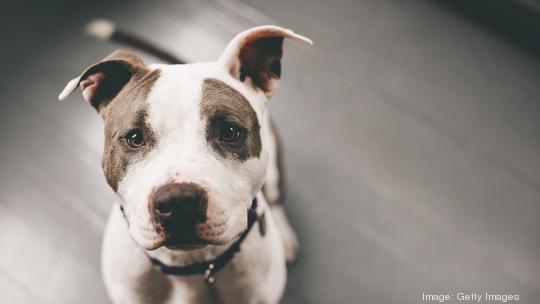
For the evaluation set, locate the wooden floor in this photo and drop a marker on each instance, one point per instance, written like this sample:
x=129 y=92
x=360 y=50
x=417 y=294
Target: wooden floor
x=412 y=137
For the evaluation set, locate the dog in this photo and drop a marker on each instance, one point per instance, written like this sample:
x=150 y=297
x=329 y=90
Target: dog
x=193 y=156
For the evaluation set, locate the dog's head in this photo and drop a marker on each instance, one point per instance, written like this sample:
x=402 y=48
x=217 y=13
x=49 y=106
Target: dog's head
x=184 y=145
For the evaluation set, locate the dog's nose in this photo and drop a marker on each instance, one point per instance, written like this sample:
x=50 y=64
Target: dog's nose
x=178 y=207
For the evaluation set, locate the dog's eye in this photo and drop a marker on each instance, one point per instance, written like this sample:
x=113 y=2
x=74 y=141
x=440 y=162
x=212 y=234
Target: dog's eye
x=135 y=138
x=230 y=132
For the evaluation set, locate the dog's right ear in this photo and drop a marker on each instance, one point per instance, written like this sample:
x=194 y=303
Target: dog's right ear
x=101 y=82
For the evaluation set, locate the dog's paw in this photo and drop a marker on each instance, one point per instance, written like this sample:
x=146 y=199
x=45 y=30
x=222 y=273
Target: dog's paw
x=290 y=241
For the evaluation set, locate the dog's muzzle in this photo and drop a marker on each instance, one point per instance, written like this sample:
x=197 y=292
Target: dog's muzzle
x=208 y=269
x=176 y=209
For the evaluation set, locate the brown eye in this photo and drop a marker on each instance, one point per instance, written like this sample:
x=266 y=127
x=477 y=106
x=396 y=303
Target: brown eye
x=135 y=138
x=230 y=132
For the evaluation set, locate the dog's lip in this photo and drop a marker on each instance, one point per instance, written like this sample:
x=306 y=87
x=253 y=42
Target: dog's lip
x=183 y=243
x=185 y=247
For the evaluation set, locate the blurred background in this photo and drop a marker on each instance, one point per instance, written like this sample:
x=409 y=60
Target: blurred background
x=411 y=131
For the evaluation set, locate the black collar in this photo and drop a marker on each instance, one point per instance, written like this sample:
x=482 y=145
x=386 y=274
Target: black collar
x=208 y=269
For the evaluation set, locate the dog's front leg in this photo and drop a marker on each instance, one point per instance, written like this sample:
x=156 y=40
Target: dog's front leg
x=128 y=275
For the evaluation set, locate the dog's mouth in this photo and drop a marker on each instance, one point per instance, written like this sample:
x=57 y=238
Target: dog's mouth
x=185 y=247
x=174 y=243
x=177 y=239
x=169 y=241
x=182 y=242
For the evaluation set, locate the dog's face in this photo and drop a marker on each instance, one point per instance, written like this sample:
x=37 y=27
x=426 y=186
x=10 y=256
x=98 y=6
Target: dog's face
x=184 y=145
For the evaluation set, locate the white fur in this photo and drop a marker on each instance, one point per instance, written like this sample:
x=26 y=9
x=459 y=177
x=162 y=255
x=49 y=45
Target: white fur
x=257 y=274
x=182 y=155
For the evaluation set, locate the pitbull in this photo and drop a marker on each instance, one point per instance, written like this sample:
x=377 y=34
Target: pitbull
x=191 y=152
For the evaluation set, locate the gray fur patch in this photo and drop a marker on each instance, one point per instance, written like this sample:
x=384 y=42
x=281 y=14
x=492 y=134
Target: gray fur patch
x=222 y=105
x=127 y=111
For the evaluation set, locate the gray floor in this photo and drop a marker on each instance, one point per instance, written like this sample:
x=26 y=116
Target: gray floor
x=411 y=132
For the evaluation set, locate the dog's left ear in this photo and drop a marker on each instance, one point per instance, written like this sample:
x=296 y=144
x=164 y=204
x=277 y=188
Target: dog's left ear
x=254 y=56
